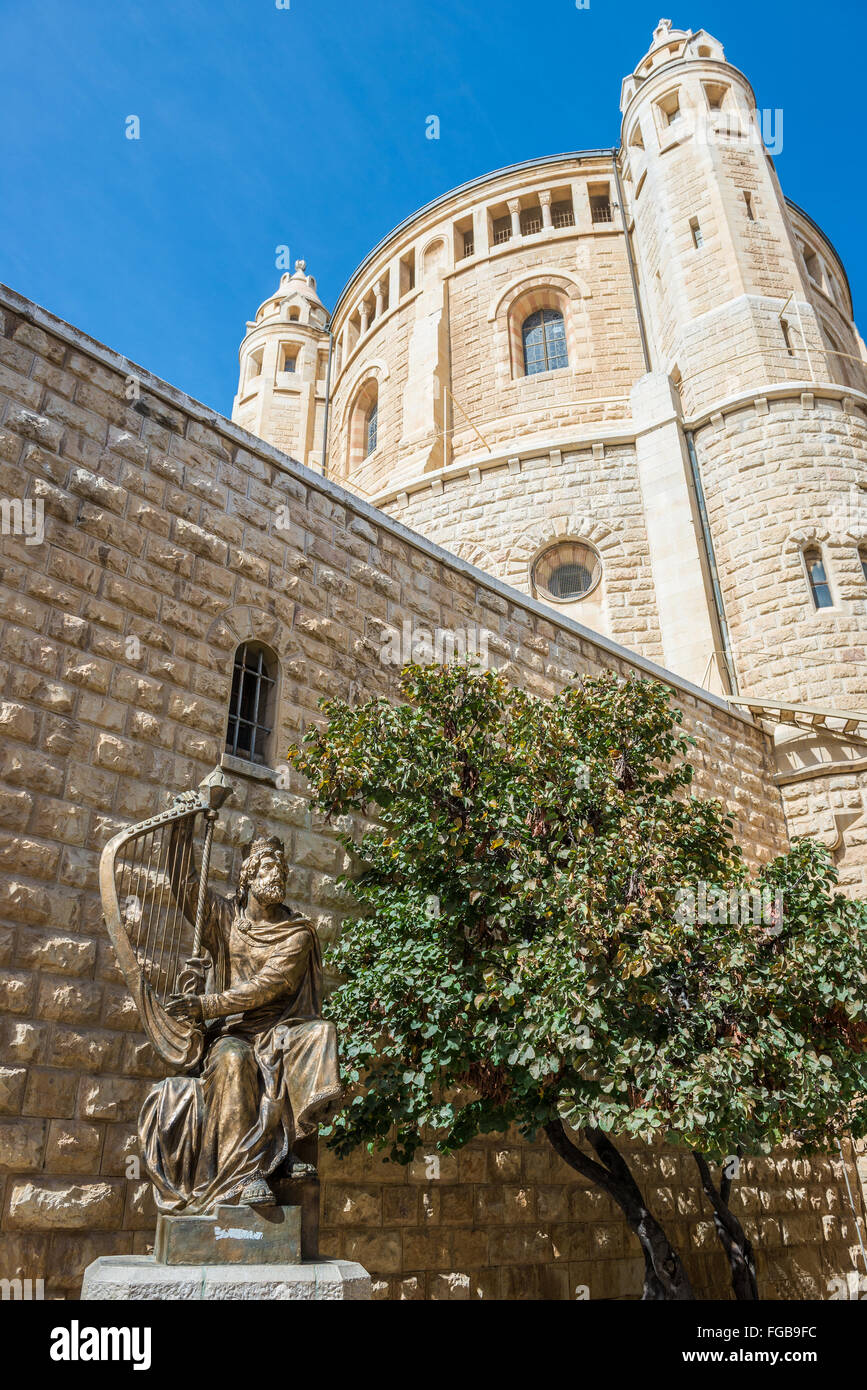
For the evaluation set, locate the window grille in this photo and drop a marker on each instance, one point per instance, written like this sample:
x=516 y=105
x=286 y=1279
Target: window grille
x=567 y=571
x=370 y=428
x=253 y=683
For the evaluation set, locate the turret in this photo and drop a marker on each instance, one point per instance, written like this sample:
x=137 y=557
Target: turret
x=725 y=277
x=283 y=368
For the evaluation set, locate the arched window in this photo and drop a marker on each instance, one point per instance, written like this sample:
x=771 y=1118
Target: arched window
x=544 y=339
x=370 y=429
x=820 y=589
x=254 y=364
x=363 y=431
x=251 y=703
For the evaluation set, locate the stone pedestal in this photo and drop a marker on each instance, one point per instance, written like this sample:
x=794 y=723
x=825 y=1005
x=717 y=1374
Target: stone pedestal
x=125 y=1278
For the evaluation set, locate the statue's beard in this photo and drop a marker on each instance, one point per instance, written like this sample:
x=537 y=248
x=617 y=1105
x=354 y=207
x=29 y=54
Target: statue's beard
x=269 y=889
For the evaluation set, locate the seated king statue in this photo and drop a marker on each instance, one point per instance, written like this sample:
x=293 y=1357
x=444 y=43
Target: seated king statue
x=269 y=1076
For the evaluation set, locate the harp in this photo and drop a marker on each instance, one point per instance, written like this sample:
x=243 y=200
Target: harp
x=155 y=913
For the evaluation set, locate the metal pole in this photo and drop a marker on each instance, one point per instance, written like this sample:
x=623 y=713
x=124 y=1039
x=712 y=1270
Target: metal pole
x=632 y=275
x=327 y=402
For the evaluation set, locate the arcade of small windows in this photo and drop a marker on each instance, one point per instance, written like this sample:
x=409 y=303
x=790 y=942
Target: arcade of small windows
x=817 y=577
x=251 y=703
x=543 y=335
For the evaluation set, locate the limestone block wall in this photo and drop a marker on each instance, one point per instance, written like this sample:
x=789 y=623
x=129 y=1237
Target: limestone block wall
x=169 y=536
x=499 y=518
x=781 y=474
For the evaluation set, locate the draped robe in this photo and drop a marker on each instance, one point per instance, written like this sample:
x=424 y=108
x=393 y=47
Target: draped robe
x=270 y=1074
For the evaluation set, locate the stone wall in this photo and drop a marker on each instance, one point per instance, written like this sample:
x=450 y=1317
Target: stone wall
x=169 y=536
x=780 y=474
x=500 y=517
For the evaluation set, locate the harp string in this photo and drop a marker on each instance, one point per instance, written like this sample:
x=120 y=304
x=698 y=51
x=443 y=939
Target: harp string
x=164 y=878
x=180 y=863
x=161 y=841
x=150 y=888
x=124 y=889
x=146 y=870
x=171 y=933
x=136 y=864
x=180 y=921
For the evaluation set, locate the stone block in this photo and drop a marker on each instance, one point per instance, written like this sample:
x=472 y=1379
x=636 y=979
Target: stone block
x=235 y=1235
x=58 y=1204
x=130 y=1278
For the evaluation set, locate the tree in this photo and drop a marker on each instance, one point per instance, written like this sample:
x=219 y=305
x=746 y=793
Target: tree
x=529 y=950
x=794 y=1015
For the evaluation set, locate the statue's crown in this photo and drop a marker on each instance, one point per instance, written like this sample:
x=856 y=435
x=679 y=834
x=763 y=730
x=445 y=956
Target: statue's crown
x=265 y=842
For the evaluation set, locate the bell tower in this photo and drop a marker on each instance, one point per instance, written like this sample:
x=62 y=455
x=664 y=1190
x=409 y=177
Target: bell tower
x=724 y=282
x=750 y=329
x=283 y=369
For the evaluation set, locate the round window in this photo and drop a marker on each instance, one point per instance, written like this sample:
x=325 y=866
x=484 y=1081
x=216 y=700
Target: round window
x=567 y=571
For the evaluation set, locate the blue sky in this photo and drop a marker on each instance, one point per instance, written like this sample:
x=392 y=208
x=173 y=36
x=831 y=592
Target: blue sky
x=306 y=126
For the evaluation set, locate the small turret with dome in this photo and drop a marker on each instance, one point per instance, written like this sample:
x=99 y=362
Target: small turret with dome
x=283 y=365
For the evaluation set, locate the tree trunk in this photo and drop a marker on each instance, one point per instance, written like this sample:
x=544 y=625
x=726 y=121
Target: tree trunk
x=732 y=1236
x=664 y=1274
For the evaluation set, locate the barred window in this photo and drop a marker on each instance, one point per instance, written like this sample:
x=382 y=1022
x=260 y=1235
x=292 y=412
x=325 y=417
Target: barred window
x=251 y=704
x=567 y=571
x=820 y=589
x=562 y=214
x=544 y=339
x=370 y=429
x=502 y=230
x=531 y=221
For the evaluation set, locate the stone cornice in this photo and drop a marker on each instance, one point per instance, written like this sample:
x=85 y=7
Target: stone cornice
x=826 y=390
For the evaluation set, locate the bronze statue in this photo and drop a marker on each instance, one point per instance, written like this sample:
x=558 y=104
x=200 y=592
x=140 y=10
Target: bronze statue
x=241 y=1021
